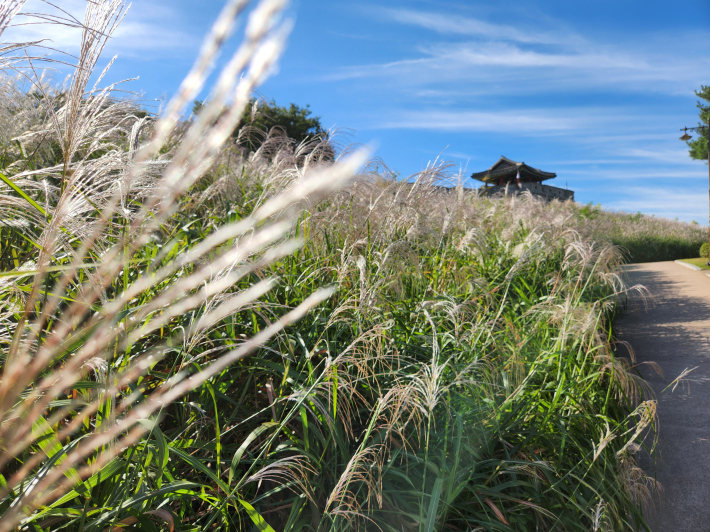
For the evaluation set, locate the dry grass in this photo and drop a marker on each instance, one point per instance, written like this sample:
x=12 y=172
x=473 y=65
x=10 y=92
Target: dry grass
x=104 y=198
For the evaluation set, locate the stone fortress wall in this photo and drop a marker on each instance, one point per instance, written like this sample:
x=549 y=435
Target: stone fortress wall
x=537 y=189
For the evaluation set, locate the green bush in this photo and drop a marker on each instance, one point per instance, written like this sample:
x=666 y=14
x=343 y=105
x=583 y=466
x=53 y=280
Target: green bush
x=650 y=248
x=645 y=238
x=705 y=250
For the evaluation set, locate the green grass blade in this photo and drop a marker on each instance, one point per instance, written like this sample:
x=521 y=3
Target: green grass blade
x=22 y=193
x=255 y=516
x=433 y=505
x=243 y=447
x=197 y=464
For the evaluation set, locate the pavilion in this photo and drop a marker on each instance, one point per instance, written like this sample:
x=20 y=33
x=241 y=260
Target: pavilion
x=510 y=177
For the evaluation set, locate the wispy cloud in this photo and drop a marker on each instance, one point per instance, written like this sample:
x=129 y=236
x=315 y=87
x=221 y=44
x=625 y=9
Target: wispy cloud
x=600 y=106
x=615 y=177
x=498 y=59
x=507 y=68
x=149 y=26
x=516 y=121
x=662 y=201
x=448 y=24
x=673 y=156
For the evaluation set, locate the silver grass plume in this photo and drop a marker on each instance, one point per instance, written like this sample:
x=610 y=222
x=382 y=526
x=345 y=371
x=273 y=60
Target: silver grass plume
x=91 y=194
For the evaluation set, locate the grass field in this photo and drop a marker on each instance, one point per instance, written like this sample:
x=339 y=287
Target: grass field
x=643 y=238
x=701 y=262
x=199 y=337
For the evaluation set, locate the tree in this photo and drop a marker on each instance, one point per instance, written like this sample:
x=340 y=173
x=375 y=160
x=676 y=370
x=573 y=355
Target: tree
x=699 y=146
x=295 y=122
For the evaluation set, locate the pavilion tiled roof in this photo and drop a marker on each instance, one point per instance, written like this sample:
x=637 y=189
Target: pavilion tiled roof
x=506 y=168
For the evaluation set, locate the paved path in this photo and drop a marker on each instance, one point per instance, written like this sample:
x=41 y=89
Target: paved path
x=675 y=333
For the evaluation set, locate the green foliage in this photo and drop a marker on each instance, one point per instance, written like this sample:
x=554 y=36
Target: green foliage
x=295 y=122
x=644 y=238
x=704 y=250
x=292 y=122
x=699 y=146
x=589 y=211
x=439 y=388
x=650 y=248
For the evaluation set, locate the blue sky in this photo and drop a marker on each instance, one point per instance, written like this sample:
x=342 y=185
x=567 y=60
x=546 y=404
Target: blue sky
x=594 y=91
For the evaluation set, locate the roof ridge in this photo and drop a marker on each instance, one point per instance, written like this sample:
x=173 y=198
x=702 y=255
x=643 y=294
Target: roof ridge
x=511 y=166
x=503 y=158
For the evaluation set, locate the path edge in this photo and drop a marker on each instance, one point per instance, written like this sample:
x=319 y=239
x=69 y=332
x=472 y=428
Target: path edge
x=689 y=266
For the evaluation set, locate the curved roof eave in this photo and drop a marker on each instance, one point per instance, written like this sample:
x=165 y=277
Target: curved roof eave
x=512 y=169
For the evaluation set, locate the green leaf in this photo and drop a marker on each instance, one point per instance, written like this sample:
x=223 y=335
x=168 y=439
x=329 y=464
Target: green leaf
x=173 y=487
x=114 y=467
x=304 y=423
x=161 y=444
x=218 y=432
x=43 y=434
x=259 y=521
x=457 y=458
x=296 y=509
x=194 y=462
x=335 y=392
x=243 y=447
x=43 y=271
x=433 y=505
x=22 y=193
x=46 y=438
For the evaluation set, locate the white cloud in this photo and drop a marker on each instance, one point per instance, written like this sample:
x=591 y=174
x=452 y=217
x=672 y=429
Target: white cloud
x=149 y=35
x=609 y=100
x=661 y=201
x=494 y=59
x=460 y=155
x=645 y=173
x=504 y=68
x=588 y=162
x=461 y=25
x=148 y=26
x=513 y=55
x=667 y=155
x=518 y=121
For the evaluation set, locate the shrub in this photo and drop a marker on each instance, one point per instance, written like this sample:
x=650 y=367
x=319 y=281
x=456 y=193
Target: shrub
x=646 y=238
x=705 y=250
